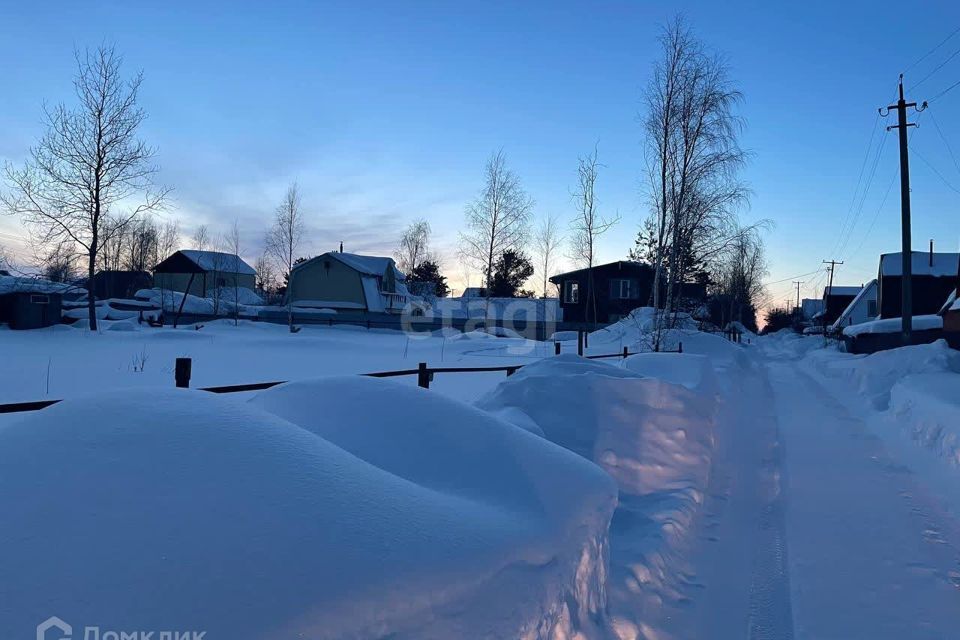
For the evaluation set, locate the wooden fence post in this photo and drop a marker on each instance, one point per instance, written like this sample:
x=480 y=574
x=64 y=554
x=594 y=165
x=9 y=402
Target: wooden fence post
x=556 y=348
x=625 y=353
x=423 y=376
x=680 y=347
x=182 y=372
x=579 y=342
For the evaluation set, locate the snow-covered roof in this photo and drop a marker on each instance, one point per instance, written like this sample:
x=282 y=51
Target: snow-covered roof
x=837 y=290
x=218 y=261
x=893 y=325
x=863 y=295
x=365 y=265
x=923 y=263
x=951 y=304
x=20 y=284
x=369 y=265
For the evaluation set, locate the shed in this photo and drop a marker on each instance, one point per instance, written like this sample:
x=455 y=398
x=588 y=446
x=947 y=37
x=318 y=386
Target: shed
x=120 y=284
x=863 y=308
x=934 y=277
x=27 y=303
x=198 y=272
x=348 y=281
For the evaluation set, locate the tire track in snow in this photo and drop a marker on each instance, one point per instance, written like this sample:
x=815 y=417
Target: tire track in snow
x=770 y=610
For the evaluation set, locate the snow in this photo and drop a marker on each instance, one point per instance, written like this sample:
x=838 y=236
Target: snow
x=170 y=301
x=460 y=523
x=653 y=436
x=928 y=406
x=893 y=325
x=944 y=264
x=778 y=488
x=13 y=284
x=369 y=265
x=218 y=261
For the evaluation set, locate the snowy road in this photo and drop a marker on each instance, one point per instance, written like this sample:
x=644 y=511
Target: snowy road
x=814 y=528
x=871 y=555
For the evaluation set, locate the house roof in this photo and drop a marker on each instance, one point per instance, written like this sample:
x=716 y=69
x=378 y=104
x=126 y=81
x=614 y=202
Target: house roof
x=218 y=261
x=838 y=290
x=620 y=264
x=22 y=284
x=864 y=292
x=367 y=265
x=923 y=263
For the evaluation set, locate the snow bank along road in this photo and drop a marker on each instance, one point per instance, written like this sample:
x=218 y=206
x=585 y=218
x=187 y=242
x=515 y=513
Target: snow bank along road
x=774 y=491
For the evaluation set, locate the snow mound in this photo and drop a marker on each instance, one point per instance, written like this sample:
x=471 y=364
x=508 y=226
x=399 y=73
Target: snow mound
x=647 y=433
x=453 y=525
x=693 y=371
x=928 y=405
x=876 y=374
x=654 y=437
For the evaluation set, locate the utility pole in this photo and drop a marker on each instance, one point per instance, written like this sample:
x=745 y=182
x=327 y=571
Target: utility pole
x=833 y=267
x=906 y=250
x=798 y=283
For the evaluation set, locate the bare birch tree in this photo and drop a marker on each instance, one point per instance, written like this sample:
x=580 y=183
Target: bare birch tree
x=284 y=238
x=414 y=246
x=546 y=243
x=233 y=245
x=201 y=238
x=497 y=221
x=693 y=157
x=588 y=225
x=88 y=167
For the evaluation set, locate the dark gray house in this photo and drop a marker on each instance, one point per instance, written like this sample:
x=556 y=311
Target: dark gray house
x=620 y=287
x=934 y=277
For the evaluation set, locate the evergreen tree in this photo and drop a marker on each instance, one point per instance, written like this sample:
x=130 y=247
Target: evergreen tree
x=429 y=271
x=510 y=271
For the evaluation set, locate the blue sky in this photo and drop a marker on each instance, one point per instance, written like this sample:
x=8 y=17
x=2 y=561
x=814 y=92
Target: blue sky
x=386 y=111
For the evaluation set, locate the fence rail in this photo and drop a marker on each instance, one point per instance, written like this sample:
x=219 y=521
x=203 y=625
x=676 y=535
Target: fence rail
x=425 y=375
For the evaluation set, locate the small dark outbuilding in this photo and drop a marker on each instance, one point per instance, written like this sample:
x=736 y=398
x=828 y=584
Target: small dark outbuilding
x=30 y=310
x=120 y=284
x=934 y=276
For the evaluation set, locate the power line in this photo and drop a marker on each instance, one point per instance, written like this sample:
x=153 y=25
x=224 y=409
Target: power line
x=934 y=169
x=863 y=199
x=856 y=190
x=935 y=69
x=802 y=275
x=947 y=90
x=928 y=53
x=945 y=143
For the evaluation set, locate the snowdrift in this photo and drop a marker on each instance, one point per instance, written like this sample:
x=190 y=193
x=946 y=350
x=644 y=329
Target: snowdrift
x=636 y=332
x=875 y=375
x=410 y=516
x=653 y=435
x=928 y=406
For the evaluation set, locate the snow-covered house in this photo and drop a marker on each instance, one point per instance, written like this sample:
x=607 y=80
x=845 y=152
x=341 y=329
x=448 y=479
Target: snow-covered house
x=349 y=282
x=862 y=308
x=934 y=277
x=197 y=272
x=31 y=303
x=836 y=299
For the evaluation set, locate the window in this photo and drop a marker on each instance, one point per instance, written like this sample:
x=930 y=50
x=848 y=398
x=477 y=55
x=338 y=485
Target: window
x=571 y=292
x=39 y=298
x=871 y=309
x=623 y=289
